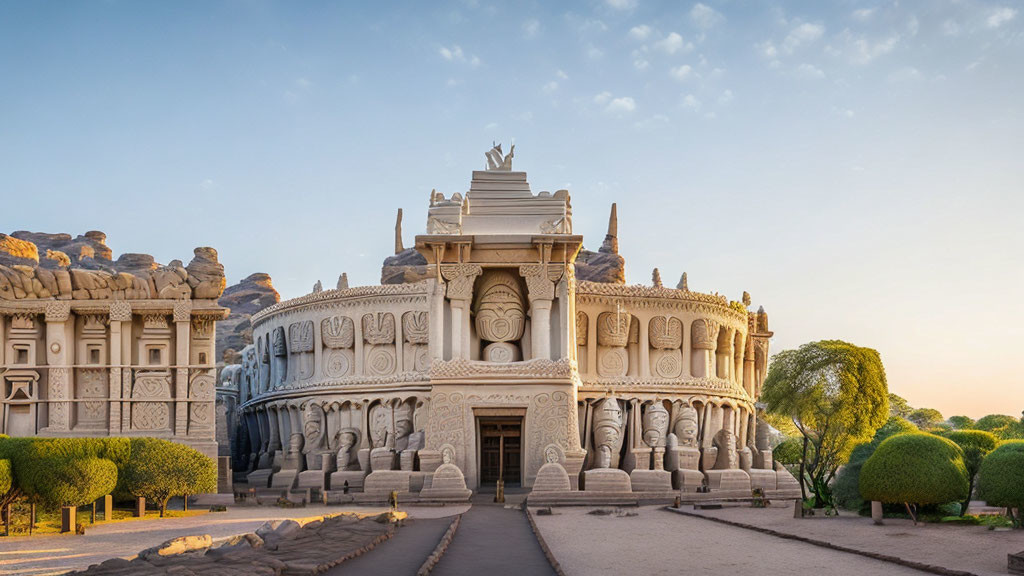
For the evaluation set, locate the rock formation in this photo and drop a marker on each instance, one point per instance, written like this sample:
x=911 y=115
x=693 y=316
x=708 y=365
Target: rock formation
x=246 y=298
x=605 y=265
x=405 y=267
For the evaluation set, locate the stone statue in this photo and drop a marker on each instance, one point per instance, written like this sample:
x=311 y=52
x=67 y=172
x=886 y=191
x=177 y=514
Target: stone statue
x=655 y=425
x=314 y=434
x=293 y=459
x=682 y=452
x=725 y=442
x=686 y=427
x=500 y=315
x=497 y=161
x=347 y=442
x=607 y=432
x=379 y=425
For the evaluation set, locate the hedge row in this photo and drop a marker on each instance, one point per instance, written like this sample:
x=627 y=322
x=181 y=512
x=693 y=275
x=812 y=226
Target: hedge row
x=76 y=471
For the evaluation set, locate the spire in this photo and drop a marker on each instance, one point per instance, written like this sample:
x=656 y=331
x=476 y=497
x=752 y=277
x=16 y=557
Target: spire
x=343 y=281
x=611 y=239
x=682 y=283
x=398 y=233
x=656 y=278
x=318 y=287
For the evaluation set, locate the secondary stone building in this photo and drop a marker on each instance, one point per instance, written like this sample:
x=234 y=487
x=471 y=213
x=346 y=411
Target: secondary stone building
x=489 y=355
x=95 y=347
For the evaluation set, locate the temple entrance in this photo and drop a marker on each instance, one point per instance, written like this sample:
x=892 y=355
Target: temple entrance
x=501 y=450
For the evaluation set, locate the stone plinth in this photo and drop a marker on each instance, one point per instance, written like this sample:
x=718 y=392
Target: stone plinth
x=785 y=483
x=573 y=466
x=552 y=477
x=353 y=477
x=383 y=459
x=259 y=479
x=429 y=460
x=383 y=482
x=284 y=479
x=728 y=480
x=419 y=480
x=687 y=480
x=312 y=479
x=447 y=484
x=763 y=479
x=606 y=480
x=650 y=480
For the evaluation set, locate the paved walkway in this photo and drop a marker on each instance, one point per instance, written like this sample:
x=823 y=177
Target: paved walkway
x=653 y=541
x=400 y=555
x=493 y=541
x=56 y=554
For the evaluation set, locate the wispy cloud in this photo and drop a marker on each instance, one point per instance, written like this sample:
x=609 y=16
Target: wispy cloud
x=640 y=33
x=621 y=4
x=802 y=35
x=674 y=43
x=1000 y=16
x=681 y=73
x=456 y=54
x=531 y=28
x=705 y=16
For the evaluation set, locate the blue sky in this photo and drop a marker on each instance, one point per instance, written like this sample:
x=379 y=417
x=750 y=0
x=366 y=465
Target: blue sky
x=856 y=166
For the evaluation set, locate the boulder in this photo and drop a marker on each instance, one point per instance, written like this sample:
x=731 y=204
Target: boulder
x=608 y=268
x=406 y=267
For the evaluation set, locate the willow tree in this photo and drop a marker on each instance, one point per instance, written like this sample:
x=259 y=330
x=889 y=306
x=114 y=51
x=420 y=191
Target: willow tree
x=837 y=396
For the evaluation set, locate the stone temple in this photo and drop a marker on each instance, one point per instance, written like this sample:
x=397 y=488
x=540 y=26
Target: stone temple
x=497 y=349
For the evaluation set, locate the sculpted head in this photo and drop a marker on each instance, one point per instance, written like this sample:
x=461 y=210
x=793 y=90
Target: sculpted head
x=313 y=427
x=295 y=443
x=686 y=427
x=403 y=420
x=499 y=310
x=608 y=424
x=655 y=424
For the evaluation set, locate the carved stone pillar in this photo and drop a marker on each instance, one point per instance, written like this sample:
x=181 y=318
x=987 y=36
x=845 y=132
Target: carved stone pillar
x=704 y=334
x=182 y=335
x=540 y=285
x=460 y=279
x=275 y=429
x=120 y=312
x=59 y=355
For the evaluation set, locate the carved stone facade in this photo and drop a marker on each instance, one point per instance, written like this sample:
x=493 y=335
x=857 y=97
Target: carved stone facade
x=500 y=346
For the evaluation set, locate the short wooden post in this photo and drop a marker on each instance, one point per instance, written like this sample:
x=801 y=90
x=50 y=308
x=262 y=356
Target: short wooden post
x=92 y=515
x=140 y=507
x=798 y=508
x=184 y=502
x=108 y=508
x=68 y=518
x=31 y=518
x=7 y=519
x=876 y=512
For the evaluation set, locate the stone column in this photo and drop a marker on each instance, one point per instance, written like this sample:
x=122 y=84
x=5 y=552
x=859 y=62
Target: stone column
x=460 y=292
x=540 y=284
x=436 y=342
x=645 y=347
x=182 y=335
x=120 y=312
x=59 y=355
x=275 y=430
x=3 y=359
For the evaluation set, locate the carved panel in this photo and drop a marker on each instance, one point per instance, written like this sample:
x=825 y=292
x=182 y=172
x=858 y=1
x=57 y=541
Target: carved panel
x=379 y=328
x=337 y=332
x=380 y=359
x=278 y=342
x=613 y=328
x=300 y=337
x=416 y=327
x=120 y=311
x=612 y=361
x=154 y=414
x=201 y=414
x=338 y=362
x=57 y=389
x=460 y=279
x=704 y=333
x=666 y=332
x=94 y=391
x=58 y=311
x=548 y=424
x=667 y=363
x=499 y=310
x=582 y=326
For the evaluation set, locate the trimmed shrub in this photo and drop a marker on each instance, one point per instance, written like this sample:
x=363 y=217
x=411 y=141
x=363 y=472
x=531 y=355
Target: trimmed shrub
x=1001 y=478
x=915 y=469
x=976 y=444
x=72 y=481
x=159 y=469
x=847 y=485
x=5 y=477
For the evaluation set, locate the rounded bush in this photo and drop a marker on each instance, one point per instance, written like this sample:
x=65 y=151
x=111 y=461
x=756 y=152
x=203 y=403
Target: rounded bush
x=72 y=482
x=915 y=468
x=159 y=469
x=788 y=452
x=980 y=439
x=1001 y=479
x=847 y=485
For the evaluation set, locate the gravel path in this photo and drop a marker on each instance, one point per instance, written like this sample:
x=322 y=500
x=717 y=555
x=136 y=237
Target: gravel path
x=974 y=549
x=402 y=554
x=658 y=542
x=56 y=554
x=493 y=541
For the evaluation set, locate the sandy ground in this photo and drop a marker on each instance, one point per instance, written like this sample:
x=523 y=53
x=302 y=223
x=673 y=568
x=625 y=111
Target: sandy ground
x=43 y=555
x=969 y=548
x=656 y=542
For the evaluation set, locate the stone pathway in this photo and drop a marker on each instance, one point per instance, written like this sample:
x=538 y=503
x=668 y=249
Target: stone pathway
x=493 y=541
x=402 y=554
x=652 y=541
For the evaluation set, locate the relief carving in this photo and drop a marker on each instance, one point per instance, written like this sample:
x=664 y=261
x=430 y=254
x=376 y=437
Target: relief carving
x=499 y=310
x=613 y=328
x=379 y=328
x=666 y=332
x=337 y=332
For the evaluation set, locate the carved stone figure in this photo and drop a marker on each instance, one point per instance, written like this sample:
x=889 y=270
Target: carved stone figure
x=497 y=161
x=380 y=425
x=293 y=459
x=655 y=424
x=313 y=429
x=607 y=432
x=500 y=314
x=347 y=442
x=686 y=427
x=725 y=442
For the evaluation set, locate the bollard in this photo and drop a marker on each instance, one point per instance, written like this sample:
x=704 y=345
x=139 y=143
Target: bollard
x=68 y=517
x=108 y=508
x=92 y=513
x=876 y=512
x=499 y=492
x=7 y=520
x=140 y=507
x=798 y=508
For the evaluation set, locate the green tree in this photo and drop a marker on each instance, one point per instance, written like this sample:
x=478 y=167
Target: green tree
x=847 y=484
x=976 y=444
x=1003 y=426
x=837 y=397
x=898 y=406
x=926 y=418
x=960 y=422
x=999 y=480
x=915 y=469
x=159 y=469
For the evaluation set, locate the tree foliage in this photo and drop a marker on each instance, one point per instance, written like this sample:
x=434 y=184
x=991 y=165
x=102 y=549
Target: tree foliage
x=915 y=469
x=926 y=418
x=5 y=477
x=837 y=396
x=847 y=484
x=960 y=422
x=898 y=406
x=159 y=469
x=976 y=444
x=1003 y=426
x=1001 y=478
x=72 y=481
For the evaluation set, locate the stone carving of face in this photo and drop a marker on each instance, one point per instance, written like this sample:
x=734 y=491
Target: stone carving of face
x=725 y=441
x=500 y=315
x=655 y=424
x=686 y=427
x=403 y=420
x=378 y=425
x=295 y=443
x=608 y=425
x=313 y=427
